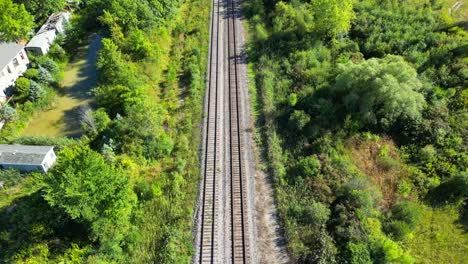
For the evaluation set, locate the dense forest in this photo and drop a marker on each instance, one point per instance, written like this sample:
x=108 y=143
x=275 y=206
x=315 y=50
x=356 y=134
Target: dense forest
x=124 y=192
x=362 y=114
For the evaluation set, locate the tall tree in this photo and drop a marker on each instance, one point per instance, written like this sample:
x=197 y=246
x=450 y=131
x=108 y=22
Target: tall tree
x=42 y=8
x=380 y=91
x=91 y=191
x=15 y=21
x=332 y=17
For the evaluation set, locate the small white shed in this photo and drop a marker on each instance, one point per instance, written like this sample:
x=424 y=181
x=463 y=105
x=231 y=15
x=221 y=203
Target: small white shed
x=27 y=158
x=40 y=44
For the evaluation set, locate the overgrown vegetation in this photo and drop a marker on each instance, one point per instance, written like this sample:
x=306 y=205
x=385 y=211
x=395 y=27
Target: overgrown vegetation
x=125 y=191
x=363 y=118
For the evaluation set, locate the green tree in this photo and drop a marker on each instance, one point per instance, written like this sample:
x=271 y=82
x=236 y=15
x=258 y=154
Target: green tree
x=90 y=191
x=15 y=21
x=42 y=8
x=380 y=91
x=95 y=122
x=332 y=17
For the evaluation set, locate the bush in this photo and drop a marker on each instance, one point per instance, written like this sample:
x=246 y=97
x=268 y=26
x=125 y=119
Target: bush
x=45 y=77
x=7 y=113
x=32 y=74
x=317 y=213
x=36 y=91
x=380 y=91
x=48 y=64
x=359 y=253
x=22 y=88
x=407 y=212
x=308 y=166
x=398 y=229
x=299 y=119
x=452 y=190
x=58 y=53
x=10 y=177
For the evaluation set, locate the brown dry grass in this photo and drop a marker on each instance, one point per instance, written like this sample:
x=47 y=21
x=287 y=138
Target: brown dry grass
x=379 y=160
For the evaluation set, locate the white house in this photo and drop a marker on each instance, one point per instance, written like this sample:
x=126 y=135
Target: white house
x=13 y=63
x=27 y=158
x=55 y=25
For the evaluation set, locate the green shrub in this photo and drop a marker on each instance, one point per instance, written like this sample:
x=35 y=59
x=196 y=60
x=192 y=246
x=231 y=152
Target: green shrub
x=317 y=213
x=7 y=112
x=36 y=91
x=407 y=212
x=45 y=77
x=49 y=64
x=359 y=253
x=308 y=166
x=399 y=230
x=404 y=188
x=299 y=119
x=32 y=74
x=58 y=53
x=452 y=190
x=22 y=88
x=10 y=177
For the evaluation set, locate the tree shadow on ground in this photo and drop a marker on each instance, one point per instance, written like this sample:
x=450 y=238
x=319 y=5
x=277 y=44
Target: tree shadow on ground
x=81 y=90
x=30 y=221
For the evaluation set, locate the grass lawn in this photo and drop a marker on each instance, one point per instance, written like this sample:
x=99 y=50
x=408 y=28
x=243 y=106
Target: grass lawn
x=25 y=186
x=459 y=14
x=63 y=118
x=439 y=238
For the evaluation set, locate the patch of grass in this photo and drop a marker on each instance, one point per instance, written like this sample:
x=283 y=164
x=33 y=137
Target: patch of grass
x=438 y=238
x=378 y=158
x=17 y=187
x=459 y=14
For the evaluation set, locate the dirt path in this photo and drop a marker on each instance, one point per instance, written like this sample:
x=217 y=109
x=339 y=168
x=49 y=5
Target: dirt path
x=62 y=119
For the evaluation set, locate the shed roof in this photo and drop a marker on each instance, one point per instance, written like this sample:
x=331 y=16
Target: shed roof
x=23 y=154
x=8 y=50
x=40 y=39
x=53 y=21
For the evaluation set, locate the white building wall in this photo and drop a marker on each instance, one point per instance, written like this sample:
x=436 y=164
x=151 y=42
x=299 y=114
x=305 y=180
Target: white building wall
x=49 y=160
x=14 y=69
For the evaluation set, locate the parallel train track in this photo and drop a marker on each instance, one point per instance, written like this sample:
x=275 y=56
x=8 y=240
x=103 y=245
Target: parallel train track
x=234 y=172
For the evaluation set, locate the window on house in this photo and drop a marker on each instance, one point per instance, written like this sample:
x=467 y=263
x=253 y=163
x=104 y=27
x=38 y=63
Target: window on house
x=2 y=74
x=22 y=55
x=8 y=69
x=15 y=62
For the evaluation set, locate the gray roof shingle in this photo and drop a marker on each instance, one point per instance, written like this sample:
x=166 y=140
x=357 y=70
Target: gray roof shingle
x=23 y=154
x=8 y=50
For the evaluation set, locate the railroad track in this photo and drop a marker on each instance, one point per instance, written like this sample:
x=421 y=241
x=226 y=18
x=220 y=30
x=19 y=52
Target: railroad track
x=215 y=230
x=239 y=232
x=210 y=202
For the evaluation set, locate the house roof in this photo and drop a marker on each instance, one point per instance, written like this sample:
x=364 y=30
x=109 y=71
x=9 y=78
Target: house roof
x=23 y=154
x=53 y=21
x=8 y=50
x=40 y=39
